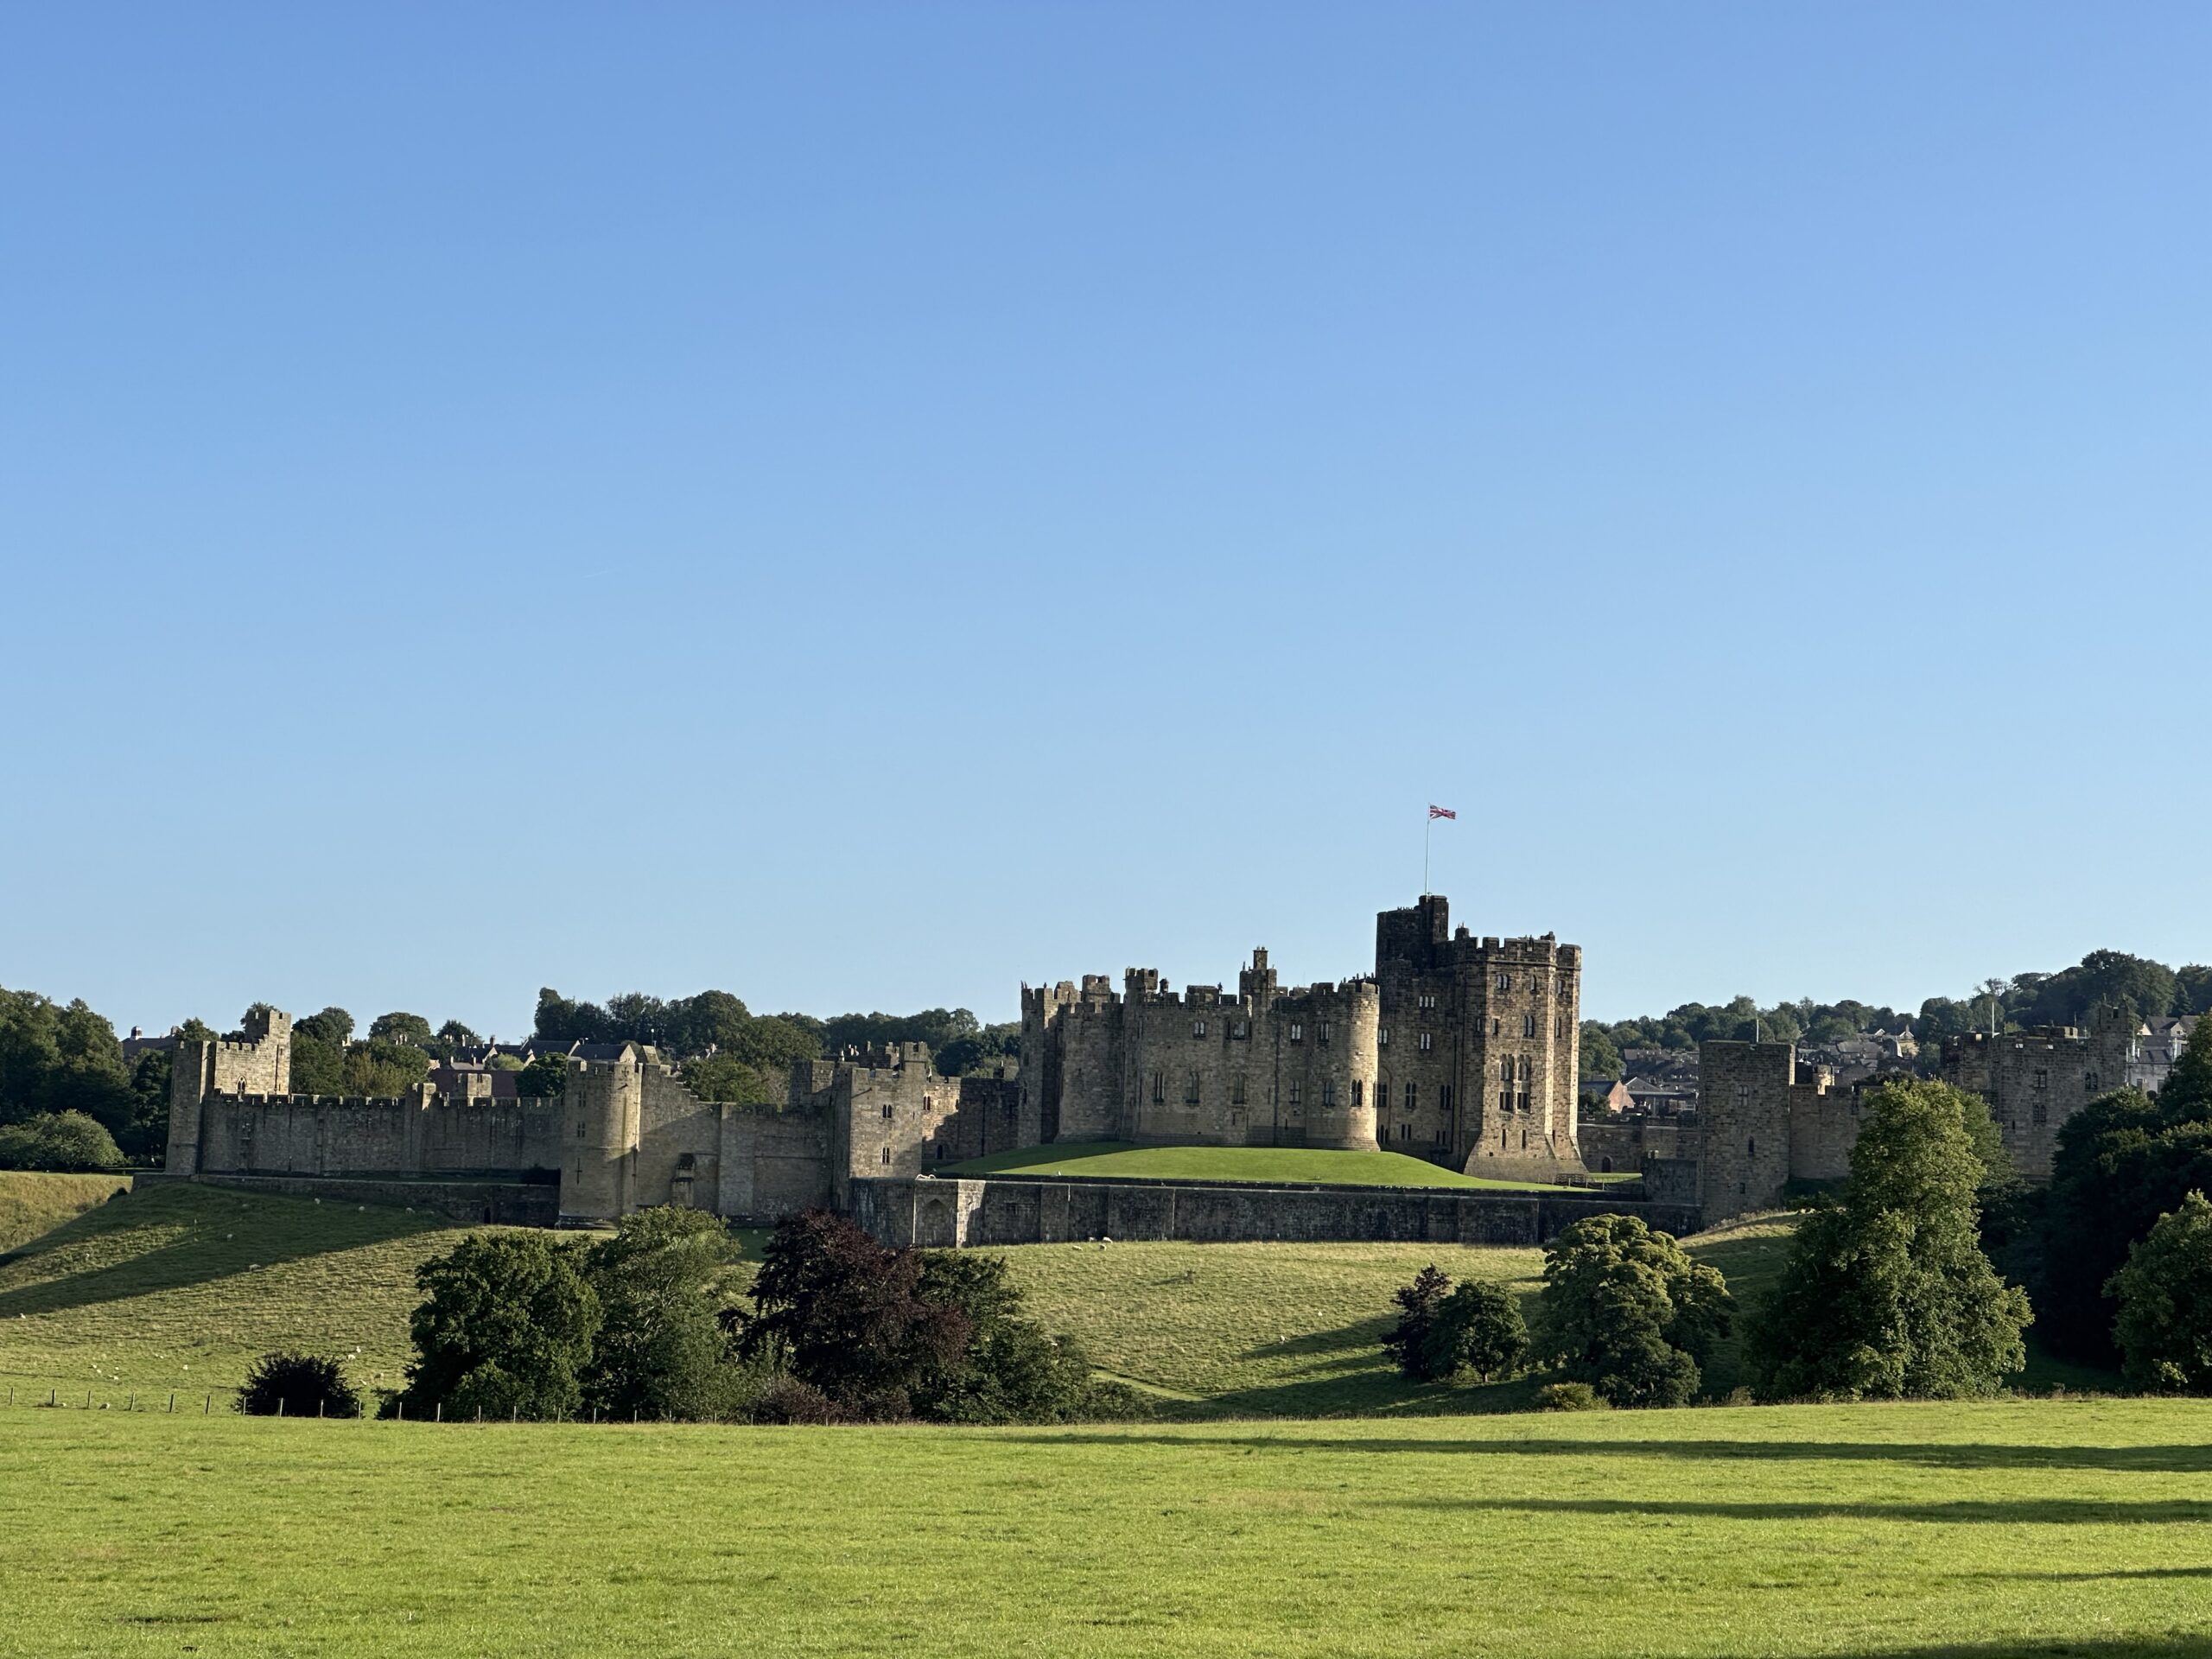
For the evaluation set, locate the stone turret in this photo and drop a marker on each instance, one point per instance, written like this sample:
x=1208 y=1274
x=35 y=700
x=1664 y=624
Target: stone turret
x=260 y=1064
x=602 y=1121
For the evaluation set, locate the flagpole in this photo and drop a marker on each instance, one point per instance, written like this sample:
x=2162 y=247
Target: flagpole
x=1427 y=832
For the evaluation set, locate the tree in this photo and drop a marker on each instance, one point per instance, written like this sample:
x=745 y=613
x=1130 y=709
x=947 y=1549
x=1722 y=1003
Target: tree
x=57 y=1057
x=726 y=1077
x=58 y=1141
x=411 y=1029
x=1407 y=1341
x=506 y=1326
x=334 y=1027
x=382 y=1068
x=662 y=1351
x=1626 y=1311
x=2137 y=985
x=318 y=1064
x=845 y=1314
x=1887 y=1294
x=2164 y=1327
x=290 y=1384
x=545 y=1077
x=1599 y=1058
x=2193 y=989
x=453 y=1035
x=145 y=1137
x=1478 y=1328
x=2121 y=1162
x=1011 y=1370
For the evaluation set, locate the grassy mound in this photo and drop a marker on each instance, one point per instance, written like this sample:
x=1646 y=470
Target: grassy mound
x=33 y=1203
x=1966 y=1531
x=177 y=1286
x=1115 y=1160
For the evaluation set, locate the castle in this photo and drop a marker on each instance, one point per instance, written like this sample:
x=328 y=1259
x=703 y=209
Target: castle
x=1458 y=1049
x=1765 y=1121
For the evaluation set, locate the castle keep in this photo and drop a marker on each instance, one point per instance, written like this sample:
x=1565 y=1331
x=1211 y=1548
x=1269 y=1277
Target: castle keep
x=1457 y=1049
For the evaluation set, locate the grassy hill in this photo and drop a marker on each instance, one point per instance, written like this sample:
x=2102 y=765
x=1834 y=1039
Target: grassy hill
x=31 y=1204
x=180 y=1288
x=1982 y=1531
x=1112 y=1159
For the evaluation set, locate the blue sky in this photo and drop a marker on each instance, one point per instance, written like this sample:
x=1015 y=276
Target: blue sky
x=865 y=505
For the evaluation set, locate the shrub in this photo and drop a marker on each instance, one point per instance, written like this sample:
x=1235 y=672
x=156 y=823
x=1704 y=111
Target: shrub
x=545 y=1077
x=1571 y=1396
x=1887 y=1294
x=289 y=1385
x=1625 y=1311
x=1478 y=1328
x=55 y=1140
x=2164 y=1327
x=1407 y=1342
x=788 y=1399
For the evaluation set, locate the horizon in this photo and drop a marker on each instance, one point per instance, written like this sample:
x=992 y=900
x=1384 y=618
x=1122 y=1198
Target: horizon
x=861 y=507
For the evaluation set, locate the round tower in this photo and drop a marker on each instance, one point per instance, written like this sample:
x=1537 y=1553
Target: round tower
x=602 y=1108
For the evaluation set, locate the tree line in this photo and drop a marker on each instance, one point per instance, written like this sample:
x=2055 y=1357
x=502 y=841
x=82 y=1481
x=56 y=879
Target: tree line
x=2137 y=985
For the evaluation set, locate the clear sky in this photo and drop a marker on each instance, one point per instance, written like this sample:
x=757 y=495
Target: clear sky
x=863 y=505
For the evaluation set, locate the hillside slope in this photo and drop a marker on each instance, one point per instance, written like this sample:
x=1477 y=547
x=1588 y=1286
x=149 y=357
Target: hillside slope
x=31 y=1204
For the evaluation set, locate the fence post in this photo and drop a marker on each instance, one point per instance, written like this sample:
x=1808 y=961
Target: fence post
x=131 y=1404
x=280 y=1405
x=172 y=1402
x=439 y=1415
x=208 y=1405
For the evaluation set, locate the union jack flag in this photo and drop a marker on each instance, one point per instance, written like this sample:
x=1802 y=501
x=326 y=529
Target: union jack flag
x=1442 y=813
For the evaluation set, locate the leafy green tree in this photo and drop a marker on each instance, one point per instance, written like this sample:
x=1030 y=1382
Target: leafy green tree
x=453 y=1035
x=1599 y=1058
x=662 y=1351
x=1407 y=1341
x=2164 y=1327
x=1011 y=1370
x=2121 y=1163
x=505 y=1326
x=2102 y=979
x=504 y=1063
x=318 y=1066
x=726 y=1077
x=289 y=1384
x=382 y=1068
x=1626 y=1311
x=411 y=1029
x=145 y=1137
x=58 y=1141
x=334 y=1027
x=545 y=1077
x=2193 y=989
x=59 y=1058
x=1478 y=1328
x=1887 y=1294
x=772 y=1044
x=196 y=1030
x=708 y=1022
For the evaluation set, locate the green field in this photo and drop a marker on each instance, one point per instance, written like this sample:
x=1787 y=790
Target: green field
x=31 y=1204
x=1987 y=1530
x=1271 y=1166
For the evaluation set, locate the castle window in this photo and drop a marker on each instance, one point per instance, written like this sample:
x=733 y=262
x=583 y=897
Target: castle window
x=1524 y=1140
x=1427 y=1042
x=1358 y=1088
x=1495 y=1026
x=1751 y=1148
x=1444 y=1097
x=1428 y=1001
x=1297 y=1033
x=1525 y=1068
x=1505 y=1100
x=1190 y=1090
x=942 y=1151
x=1239 y=1029
x=1558 y=1026
x=1322 y=1032
x=887 y=1109
x=1198 y=1028
x=1443 y=1138
x=2043 y=1078
x=1328 y=1094
x=1743 y=1095
x=1528 y=1024
x=1293 y=1091
x=1505 y=981
x=887 y=1155
x=2089 y=1083
x=1524 y=1100
x=1158 y=1087
x=1405 y=1131
x=1237 y=1092
x=1382 y=1038
x=928 y=1103
x=1505 y=1069
x=2038 y=1113
x=1413 y=1095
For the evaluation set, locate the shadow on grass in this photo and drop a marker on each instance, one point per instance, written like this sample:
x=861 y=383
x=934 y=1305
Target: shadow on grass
x=2126 y=1459
x=1366 y=1336
x=2107 y=1647
x=217 y=1234
x=2020 y=1511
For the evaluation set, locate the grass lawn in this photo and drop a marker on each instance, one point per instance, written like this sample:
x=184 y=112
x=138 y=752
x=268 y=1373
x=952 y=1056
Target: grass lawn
x=2017 y=1527
x=1116 y=1160
x=34 y=1204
